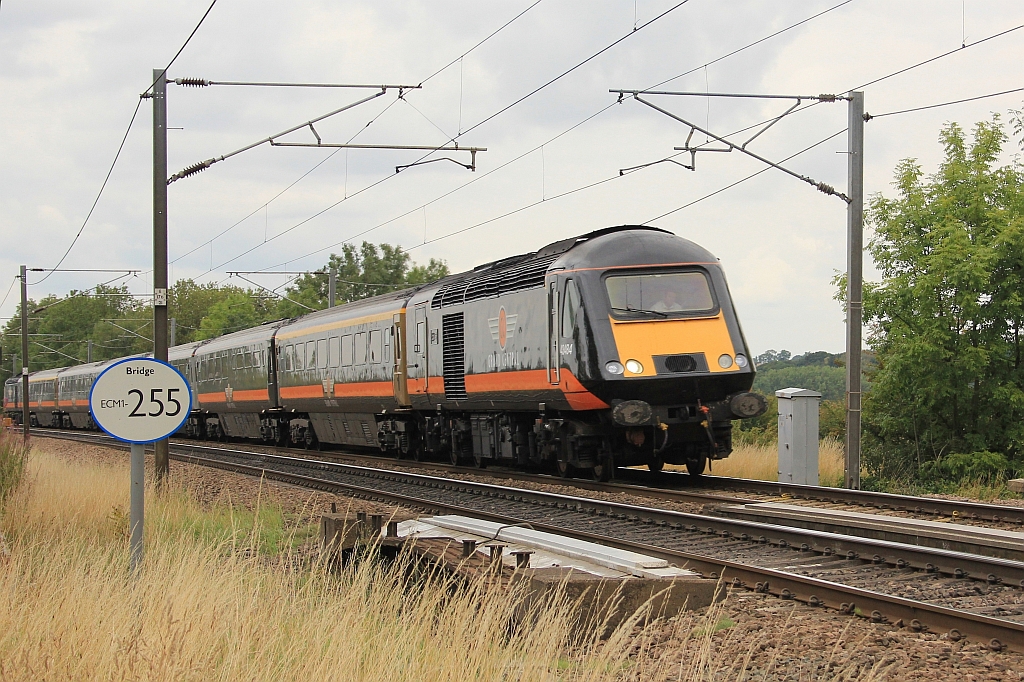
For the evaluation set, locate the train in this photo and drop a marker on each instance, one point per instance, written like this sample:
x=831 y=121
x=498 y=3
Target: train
x=620 y=347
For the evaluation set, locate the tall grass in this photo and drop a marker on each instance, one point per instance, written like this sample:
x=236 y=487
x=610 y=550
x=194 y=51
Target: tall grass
x=214 y=600
x=12 y=462
x=761 y=461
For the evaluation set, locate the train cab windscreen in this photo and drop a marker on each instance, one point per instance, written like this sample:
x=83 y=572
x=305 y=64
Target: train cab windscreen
x=667 y=294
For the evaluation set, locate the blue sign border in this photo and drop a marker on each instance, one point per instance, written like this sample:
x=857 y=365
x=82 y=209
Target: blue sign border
x=143 y=359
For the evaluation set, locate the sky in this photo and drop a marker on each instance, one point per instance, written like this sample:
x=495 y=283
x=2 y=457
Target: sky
x=71 y=74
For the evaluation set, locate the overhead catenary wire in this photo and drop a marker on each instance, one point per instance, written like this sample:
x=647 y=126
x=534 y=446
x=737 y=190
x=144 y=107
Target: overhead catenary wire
x=279 y=194
x=329 y=156
x=10 y=289
x=564 y=132
x=489 y=36
x=610 y=179
x=868 y=117
x=124 y=138
x=471 y=128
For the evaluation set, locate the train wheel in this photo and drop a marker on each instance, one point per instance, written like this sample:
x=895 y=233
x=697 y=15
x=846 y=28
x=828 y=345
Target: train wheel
x=565 y=470
x=656 y=465
x=453 y=455
x=603 y=471
x=480 y=462
x=695 y=467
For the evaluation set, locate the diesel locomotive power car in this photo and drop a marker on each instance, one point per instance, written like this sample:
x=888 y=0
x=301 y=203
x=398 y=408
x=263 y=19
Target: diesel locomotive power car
x=618 y=347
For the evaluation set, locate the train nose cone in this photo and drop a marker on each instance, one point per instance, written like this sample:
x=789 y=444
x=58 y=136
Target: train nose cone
x=747 y=405
x=632 y=413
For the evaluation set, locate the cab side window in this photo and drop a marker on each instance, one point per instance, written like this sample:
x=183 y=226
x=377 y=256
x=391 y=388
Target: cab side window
x=570 y=308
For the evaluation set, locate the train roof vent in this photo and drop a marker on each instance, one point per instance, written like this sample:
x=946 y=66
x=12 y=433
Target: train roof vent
x=529 y=275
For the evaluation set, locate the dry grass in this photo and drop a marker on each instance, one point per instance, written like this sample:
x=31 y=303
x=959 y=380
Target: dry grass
x=209 y=607
x=219 y=598
x=751 y=460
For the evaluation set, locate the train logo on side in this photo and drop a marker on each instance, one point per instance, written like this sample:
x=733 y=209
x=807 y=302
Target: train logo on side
x=503 y=327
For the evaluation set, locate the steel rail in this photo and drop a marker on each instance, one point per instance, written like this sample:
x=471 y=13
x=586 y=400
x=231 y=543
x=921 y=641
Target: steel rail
x=680 y=487
x=894 y=501
x=920 y=616
x=900 y=555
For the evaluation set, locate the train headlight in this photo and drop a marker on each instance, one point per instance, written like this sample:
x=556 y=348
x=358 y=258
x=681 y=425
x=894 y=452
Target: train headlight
x=725 y=361
x=634 y=367
x=614 y=368
x=741 y=361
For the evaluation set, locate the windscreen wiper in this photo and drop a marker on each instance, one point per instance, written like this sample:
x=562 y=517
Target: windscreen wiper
x=641 y=310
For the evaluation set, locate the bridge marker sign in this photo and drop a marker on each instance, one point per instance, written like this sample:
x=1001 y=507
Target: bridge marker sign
x=139 y=401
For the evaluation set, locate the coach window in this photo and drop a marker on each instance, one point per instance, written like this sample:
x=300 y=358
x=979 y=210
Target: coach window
x=376 y=339
x=346 y=350
x=334 y=351
x=387 y=343
x=298 y=353
x=360 y=348
x=310 y=354
x=570 y=306
x=321 y=353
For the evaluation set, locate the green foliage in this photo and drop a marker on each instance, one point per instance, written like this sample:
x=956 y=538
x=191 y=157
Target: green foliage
x=119 y=324
x=832 y=419
x=958 y=467
x=764 y=430
x=60 y=330
x=830 y=382
x=189 y=303
x=234 y=311
x=945 y=321
x=367 y=271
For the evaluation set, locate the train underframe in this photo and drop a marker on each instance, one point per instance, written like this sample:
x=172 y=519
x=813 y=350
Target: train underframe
x=567 y=443
x=576 y=443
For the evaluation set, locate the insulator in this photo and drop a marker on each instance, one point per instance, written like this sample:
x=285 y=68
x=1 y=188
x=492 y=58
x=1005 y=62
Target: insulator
x=191 y=170
x=192 y=82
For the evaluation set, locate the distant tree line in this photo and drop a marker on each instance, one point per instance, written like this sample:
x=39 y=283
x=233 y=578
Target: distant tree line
x=120 y=324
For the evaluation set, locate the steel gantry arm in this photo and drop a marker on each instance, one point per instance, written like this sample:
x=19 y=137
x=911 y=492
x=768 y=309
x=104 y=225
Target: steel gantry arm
x=729 y=146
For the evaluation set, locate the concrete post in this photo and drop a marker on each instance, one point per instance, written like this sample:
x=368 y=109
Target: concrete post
x=798 y=435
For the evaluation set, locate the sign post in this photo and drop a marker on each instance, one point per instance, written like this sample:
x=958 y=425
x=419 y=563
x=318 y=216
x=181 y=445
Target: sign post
x=139 y=401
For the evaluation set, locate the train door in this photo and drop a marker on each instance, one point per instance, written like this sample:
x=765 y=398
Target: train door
x=418 y=369
x=553 y=357
x=399 y=373
x=271 y=367
x=567 y=351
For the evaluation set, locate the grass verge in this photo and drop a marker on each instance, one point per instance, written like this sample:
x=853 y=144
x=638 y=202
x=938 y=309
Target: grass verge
x=225 y=595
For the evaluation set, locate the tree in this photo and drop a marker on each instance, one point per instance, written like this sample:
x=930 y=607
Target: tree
x=945 y=320
x=364 y=272
x=189 y=303
x=235 y=311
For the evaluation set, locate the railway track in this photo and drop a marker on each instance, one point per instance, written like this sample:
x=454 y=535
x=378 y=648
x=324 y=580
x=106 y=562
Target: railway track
x=685 y=490
x=923 y=588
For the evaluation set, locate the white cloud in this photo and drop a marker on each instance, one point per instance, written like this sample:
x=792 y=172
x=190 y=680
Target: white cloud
x=70 y=74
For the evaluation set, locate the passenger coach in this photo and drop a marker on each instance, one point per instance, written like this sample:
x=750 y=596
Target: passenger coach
x=619 y=347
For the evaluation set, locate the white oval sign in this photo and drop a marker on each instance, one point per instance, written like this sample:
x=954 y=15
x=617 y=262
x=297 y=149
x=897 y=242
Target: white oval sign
x=140 y=400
